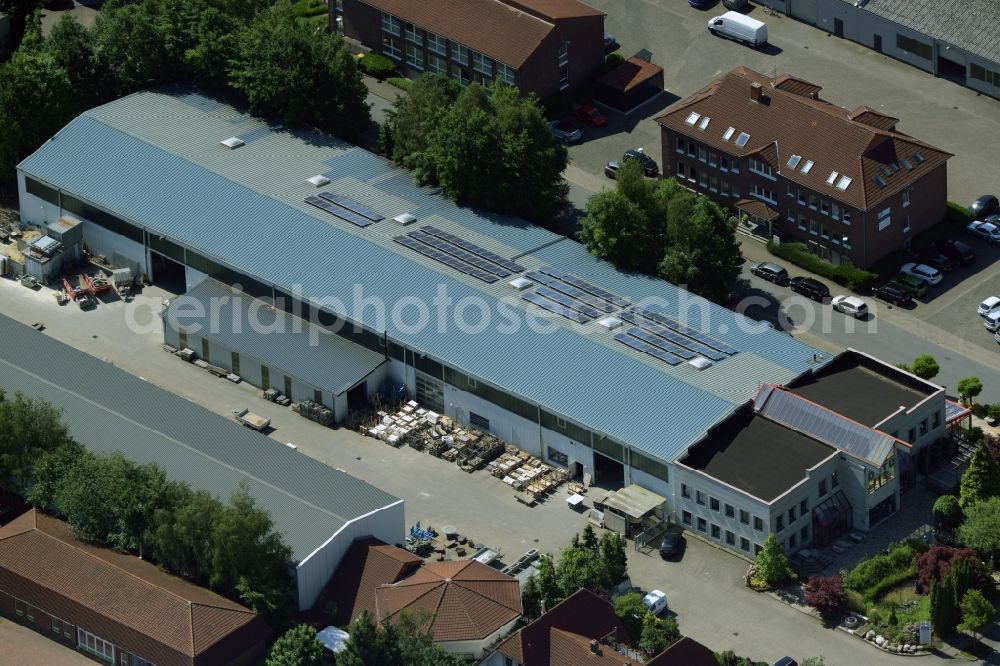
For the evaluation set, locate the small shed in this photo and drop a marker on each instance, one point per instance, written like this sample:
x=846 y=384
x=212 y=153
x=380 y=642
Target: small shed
x=632 y=509
x=629 y=84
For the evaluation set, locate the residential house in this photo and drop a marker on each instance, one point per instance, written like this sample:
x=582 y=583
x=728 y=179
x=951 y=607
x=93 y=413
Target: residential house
x=115 y=607
x=849 y=184
x=540 y=46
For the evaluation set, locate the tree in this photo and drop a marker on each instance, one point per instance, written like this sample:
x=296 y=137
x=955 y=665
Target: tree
x=925 y=367
x=297 y=647
x=617 y=229
x=969 y=388
x=182 y=532
x=365 y=644
x=279 y=59
x=826 y=594
x=613 y=558
x=947 y=511
x=703 y=254
x=30 y=428
x=981 y=479
x=981 y=529
x=657 y=634
x=548 y=582
x=18 y=11
x=977 y=612
x=936 y=563
x=129 y=47
x=72 y=48
x=730 y=658
x=531 y=598
x=404 y=642
x=589 y=541
x=414 y=118
x=577 y=569
x=48 y=472
x=631 y=610
x=772 y=564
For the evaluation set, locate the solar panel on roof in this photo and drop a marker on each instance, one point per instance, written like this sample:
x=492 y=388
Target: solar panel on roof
x=513 y=267
x=459 y=253
x=586 y=286
x=352 y=206
x=337 y=211
x=552 y=306
x=672 y=336
x=641 y=346
x=571 y=291
x=446 y=259
x=571 y=303
x=663 y=344
x=690 y=332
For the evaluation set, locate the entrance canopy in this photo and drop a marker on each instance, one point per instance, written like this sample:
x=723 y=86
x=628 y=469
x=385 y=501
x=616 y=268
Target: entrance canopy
x=634 y=502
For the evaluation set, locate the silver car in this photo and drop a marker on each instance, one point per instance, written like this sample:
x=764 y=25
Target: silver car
x=565 y=131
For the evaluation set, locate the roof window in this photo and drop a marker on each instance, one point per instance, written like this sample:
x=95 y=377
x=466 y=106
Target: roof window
x=703 y=123
x=918 y=158
x=742 y=139
x=793 y=161
x=832 y=178
x=233 y=142
x=318 y=181
x=729 y=134
x=692 y=118
x=843 y=183
x=807 y=166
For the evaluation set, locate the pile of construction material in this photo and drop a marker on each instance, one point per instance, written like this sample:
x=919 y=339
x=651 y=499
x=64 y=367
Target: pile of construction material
x=313 y=411
x=470 y=449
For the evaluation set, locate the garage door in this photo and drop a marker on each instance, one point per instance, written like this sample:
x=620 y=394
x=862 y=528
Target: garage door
x=804 y=10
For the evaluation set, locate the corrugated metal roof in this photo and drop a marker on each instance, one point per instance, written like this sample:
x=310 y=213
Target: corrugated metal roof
x=820 y=423
x=308 y=501
x=252 y=328
x=155 y=158
x=973 y=25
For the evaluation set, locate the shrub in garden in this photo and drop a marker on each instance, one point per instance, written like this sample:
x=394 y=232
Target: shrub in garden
x=772 y=564
x=869 y=573
x=937 y=563
x=947 y=511
x=826 y=594
x=376 y=66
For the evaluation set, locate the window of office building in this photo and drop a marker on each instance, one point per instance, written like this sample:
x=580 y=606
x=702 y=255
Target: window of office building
x=391 y=24
x=460 y=54
x=414 y=34
x=716 y=531
x=699 y=497
x=804 y=507
x=505 y=73
x=779 y=523
x=730 y=538
x=437 y=65
x=564 y=77
x=730 y=511
x=822 y=487
x=702 y=524
x=460 y=74
x=791 y=515
x=758 y=524
x=685 y=491
x=390 y=47
x=686 y=517
x=482 y=63
x=745 y=544
x=414 y=56
x=95 y=645
x=713 y=504
x=437 y=44
x=702 y=154
x=744 y=517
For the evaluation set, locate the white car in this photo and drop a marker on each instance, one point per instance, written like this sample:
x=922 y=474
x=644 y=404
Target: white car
x=992 y=321
x=989 y=306
x=850 y=305
x=985 y=230
x=655 y=601
x=924 y=272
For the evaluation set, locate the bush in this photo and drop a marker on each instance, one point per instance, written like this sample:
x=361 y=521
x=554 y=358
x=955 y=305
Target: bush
x=937 y=563
x=826 y=594
x=957 y=215
x=305 y=8
x=399 y=82
x=376 y=66
x=846 y=274
x=871 y=572
x=614 y=59
x=947 y=511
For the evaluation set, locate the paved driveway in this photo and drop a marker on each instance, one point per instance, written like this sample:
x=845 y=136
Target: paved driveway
x=24 y=647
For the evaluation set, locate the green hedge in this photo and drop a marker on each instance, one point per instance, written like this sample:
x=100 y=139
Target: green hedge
x=305 y=8
x=399 y=82
x=872 y=573
x=958 y=215
x=846 y=274
x=377 y=66
x=876 y=591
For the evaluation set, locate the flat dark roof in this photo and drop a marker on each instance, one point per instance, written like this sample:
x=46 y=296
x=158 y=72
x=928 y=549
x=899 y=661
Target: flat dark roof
x=861 y=389
x=756 y=455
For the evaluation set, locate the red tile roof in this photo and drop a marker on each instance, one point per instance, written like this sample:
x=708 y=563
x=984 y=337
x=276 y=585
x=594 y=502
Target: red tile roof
x=491 y=27
x=631 y=73
x=367 y=564
x=787 y=121
x=464 y=600
x=566 y=649
x=685 y=652
x=120 y=597
x=583 y=614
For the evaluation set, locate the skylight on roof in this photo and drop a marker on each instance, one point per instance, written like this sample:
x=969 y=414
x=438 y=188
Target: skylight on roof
x=729 y=134
x=793 y=161
x=705 y=120
x=742 y=139
x=832 y=178
x=843 y=183
x=918 y=158
x=807 y=166
x=879 y=181
x=893 y=168
x=907 y=164
x=692 y=118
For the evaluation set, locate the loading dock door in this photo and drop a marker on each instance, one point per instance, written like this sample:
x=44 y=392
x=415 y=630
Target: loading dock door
x=804 y=10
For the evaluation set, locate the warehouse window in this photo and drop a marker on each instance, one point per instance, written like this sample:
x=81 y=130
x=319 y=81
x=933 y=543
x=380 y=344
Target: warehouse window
x=730 y=538
x=496 y=396
x=205 y=349
x=648 y=465
x=56 y=625
x=480 y=422
x=716 y=531
x=713 y=504
x=19 y=607
x=609 y=448
x=570 y=429
x=558 y=457
x=702 y=524
x=744 y=517
x=43 y=192
x=430 y=394
x=730 y=511
x=758 y=524
x=396 y=351
x=102 y=218
x=428 y=366
x=686 y=517
x=914 y=46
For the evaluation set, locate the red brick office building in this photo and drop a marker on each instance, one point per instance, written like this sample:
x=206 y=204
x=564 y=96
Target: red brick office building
x=849 y=184
x=116 y=608
x=540 y=46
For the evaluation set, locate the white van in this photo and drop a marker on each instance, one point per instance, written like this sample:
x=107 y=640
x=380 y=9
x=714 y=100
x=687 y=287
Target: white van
x=740 y=28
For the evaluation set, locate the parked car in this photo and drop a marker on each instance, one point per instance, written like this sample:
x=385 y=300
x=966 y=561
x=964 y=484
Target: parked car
x=988 y=231
x=739 y=27
x=929 y=275
x=736 y=5
x=984 y=205
x=670 y=545
x=589 y=114
x=786 y=661
x=911 y=283
x=656 y=601
x=610 y=43
x=649 y=165
x=992 y=321
x=565 y=131
x=956 y=250
x=892 y=293
x=611 y=169
x=699 y=4
x=989 y=306
x=850 y=305
x=810 y=288
x=770 y=272
x=937 y=260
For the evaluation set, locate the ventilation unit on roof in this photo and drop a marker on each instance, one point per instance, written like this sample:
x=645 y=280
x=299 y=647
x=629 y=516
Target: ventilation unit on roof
x=610 y=323
x=520 y=283
x=404 y=219
x=729 y=134
x=700 y=363
x=233 y=142
x=318 y=181
x=692 y=118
